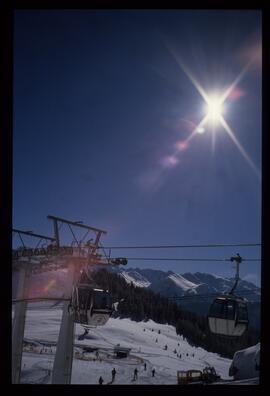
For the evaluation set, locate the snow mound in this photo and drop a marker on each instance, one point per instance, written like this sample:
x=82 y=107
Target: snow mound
x=246 y=363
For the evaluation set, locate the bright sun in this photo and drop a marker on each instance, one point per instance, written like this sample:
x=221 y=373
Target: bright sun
x=214 y=109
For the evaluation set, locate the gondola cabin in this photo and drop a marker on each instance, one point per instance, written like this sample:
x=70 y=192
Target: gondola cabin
x=91 y=306
x=228 y=316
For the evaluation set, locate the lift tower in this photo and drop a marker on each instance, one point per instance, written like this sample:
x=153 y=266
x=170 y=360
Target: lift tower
x=24 y=266
x=62 y=367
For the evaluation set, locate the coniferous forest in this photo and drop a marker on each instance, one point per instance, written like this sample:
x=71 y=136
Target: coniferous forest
x=142 y=304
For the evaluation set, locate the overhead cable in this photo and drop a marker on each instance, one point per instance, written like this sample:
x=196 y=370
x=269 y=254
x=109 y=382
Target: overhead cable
x=184 y=259
x=185 y=297
x=197 y=296
x=183 y=246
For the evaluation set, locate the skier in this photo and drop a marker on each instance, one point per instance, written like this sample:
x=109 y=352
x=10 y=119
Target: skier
x=100 y=381
x=135 y=374
x=145 y=366
x=180 y=356
x=81 y=337
x=153 y=372
x=113 y=374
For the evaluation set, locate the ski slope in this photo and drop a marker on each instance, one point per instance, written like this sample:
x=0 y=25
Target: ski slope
x=146 y=340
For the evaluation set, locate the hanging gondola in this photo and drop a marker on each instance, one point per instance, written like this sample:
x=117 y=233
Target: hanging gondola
x=91 y=306
x=228 y=314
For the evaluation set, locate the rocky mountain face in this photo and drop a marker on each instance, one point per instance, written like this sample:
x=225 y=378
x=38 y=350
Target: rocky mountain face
x=172 y=284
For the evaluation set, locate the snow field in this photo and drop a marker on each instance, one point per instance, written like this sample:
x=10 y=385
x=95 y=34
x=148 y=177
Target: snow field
x=139 y=336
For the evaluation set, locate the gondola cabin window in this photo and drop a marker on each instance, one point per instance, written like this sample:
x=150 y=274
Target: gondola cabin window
x=242 y=312
x=84 y=299
x=230 y=310
x=101 y=300
x=223 y=309
x=217 y=309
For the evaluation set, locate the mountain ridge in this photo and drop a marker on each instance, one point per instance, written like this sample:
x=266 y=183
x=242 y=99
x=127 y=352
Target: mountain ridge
x=203 y=287
x=169 y=283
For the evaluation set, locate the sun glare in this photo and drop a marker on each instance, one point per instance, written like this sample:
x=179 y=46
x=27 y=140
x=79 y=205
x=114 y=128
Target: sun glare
x=214 y=109
x=214 y=112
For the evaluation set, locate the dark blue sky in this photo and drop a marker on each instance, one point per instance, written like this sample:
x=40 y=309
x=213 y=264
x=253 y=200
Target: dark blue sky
x=100 y=104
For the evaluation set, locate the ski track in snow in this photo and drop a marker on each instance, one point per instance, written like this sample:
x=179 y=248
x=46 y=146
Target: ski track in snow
x=45 y=325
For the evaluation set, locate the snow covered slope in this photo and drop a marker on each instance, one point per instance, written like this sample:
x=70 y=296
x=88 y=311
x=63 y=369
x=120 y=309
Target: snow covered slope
x=183 y=283
x=146 y=340
x=135 y=277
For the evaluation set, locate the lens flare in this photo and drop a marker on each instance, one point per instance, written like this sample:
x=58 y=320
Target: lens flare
x=181 y=145
x=49 y=285
x=240 y=148
x=200 y=130
x=169 y=161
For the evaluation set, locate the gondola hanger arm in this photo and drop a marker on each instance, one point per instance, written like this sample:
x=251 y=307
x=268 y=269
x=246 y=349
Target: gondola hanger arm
x=238 y=260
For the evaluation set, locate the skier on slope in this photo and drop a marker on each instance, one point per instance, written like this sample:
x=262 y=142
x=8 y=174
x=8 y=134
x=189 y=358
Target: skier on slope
x=135 y=374
x=113 y=374
x=100 y=381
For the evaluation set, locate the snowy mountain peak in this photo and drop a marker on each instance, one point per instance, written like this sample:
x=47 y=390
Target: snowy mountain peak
x=135 y=277
x=182 y=282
